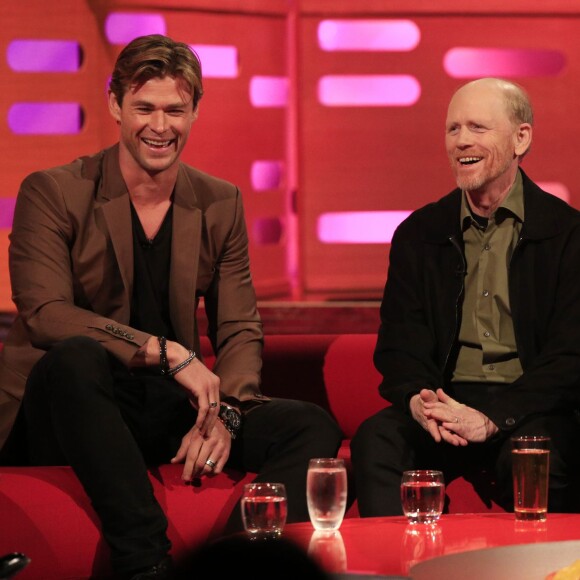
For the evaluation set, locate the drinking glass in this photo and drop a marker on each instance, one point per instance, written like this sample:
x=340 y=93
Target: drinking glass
x=530 y=468
x=326 y=488
x=264 y=509
x=422 y=495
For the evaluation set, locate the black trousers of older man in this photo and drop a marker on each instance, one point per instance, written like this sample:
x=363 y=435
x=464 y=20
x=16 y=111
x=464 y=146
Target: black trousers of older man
x=82 y=408
x=391 y=442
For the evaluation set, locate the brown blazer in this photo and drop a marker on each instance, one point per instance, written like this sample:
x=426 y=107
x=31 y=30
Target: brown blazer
x=71 y=270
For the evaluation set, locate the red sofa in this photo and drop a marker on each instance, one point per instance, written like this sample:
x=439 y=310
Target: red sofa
x=45 y=513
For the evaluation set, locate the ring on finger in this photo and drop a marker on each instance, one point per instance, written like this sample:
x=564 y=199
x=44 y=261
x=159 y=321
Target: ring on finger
x=213 y=404
x=456 y=419
x=211 y=464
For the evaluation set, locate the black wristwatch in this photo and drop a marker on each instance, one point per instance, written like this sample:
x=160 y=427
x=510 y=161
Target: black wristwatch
x=231 y=418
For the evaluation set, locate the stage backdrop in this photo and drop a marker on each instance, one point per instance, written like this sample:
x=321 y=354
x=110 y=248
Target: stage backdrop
x=329 y=114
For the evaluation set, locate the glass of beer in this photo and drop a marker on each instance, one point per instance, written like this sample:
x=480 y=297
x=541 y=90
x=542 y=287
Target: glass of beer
x=530 y=468
x=422 y=495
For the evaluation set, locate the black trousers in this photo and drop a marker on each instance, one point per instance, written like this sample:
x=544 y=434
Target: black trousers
x=391 y=442
x=82 y=408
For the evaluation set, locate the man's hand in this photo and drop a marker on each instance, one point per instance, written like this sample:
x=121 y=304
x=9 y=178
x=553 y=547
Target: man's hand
x=199 y=452
x=202 y=385
x=417 y=407
x=203 y=388
x=458 y=423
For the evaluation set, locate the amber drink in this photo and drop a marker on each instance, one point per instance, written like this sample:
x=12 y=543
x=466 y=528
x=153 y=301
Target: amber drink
x=530 y=466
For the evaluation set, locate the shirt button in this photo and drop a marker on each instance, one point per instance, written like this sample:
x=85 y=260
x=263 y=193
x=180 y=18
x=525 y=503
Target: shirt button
x=510 y=421
x=487 y=247
x=486 y=334
x=485 y=293
x=491 y=367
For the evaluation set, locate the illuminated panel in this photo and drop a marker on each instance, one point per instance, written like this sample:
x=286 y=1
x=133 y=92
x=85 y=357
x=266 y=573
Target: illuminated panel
x=368 y=90
x=6 y=212
x=45 y=118
x=123 y=27
x=359 y=227
x=266 y=175
x=269 y=91
x=556 y=189
x=44 y=56
x=218 y=62
x=267 y=231
x=504 y=62
x=368 y=35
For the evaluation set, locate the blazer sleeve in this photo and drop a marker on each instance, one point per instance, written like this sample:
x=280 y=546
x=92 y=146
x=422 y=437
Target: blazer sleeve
x=42 y=271
x=234 y=324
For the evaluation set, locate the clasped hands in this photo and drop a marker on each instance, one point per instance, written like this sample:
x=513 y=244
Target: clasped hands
x=445 y=419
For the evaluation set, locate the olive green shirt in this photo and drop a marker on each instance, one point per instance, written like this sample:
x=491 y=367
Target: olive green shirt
x=487 y=345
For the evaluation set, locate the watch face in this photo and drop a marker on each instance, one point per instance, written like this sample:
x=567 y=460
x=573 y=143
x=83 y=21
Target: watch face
x=230 y=417
x=233 y=418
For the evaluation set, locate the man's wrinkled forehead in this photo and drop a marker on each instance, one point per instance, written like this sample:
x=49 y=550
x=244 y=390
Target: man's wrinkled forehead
x=477 y=102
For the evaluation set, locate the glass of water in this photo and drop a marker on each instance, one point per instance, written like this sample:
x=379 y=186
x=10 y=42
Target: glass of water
x=264 y=509
x=326 y=490
x=422 y=495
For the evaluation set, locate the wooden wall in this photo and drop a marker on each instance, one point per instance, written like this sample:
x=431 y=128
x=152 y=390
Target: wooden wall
x=332 y=159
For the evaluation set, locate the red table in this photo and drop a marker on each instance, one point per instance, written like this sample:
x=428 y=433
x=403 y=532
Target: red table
x=390 y=546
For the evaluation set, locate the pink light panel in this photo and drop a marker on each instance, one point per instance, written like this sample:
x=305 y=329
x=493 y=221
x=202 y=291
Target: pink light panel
x=122 y=27
x=269 y=91
x=368 y=35
x=217 y=61
x=468 y=62
x=266 y=175
x=45 y=118
x=359 y=227
x=368 y=90
x=44 y=55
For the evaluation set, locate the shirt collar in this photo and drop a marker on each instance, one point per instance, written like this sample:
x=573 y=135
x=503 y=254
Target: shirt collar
x=513 y=204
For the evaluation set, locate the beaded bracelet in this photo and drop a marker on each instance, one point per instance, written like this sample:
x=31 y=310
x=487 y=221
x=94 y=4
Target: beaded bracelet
x=181 y=365
x=163 y=355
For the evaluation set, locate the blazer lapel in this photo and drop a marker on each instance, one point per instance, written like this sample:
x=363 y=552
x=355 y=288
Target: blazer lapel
x=116 y=208
x=185 y=249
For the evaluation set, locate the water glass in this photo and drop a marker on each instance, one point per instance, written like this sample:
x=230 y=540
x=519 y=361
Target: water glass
x=264 y=509
x=326 y=489
x=531 y=468
x=422 y=495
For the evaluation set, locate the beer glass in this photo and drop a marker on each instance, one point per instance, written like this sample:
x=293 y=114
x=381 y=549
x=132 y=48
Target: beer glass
x=530 y=468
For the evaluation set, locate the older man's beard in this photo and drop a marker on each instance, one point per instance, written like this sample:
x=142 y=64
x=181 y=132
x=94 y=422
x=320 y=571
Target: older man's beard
x=479 y=181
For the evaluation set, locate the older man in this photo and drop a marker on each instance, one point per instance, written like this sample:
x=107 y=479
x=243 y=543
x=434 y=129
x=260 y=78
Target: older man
x=480 y=319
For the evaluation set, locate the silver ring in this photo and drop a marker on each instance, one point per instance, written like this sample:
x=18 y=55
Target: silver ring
x=213 y=404
x=211 y=463
x=456 y=420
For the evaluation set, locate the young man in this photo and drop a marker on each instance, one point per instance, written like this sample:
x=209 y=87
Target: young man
x=109 y=257
x=480 y=319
